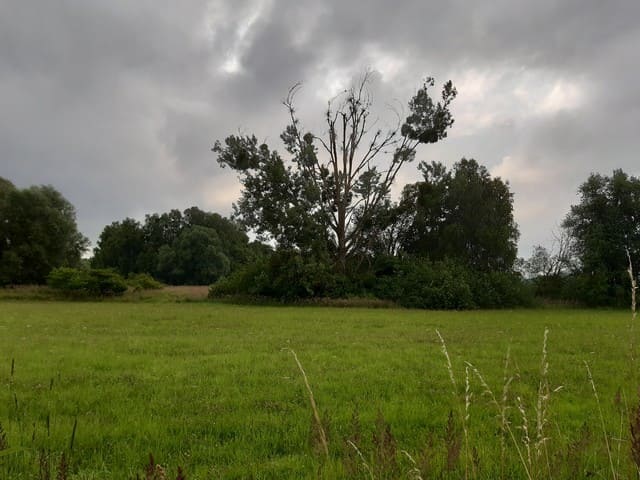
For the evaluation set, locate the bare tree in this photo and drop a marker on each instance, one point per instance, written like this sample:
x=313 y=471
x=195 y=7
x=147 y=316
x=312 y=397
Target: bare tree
x=332 y=195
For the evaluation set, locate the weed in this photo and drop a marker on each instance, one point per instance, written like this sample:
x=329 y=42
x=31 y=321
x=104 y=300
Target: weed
x=453 y=442
x=321 y=433
x=63 y=468
x=635 y=436
x=385 y=449
x=4 y=444
x=350 y=456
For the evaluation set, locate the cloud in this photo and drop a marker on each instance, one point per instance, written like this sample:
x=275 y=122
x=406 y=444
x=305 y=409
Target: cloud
x=118 y=103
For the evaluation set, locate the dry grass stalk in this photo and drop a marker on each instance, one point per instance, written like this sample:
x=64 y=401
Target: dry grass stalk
x=4 y=444
x=414 y=473
x=634 y=285
x=464 y=415
x=502 y=409
x=453 y=442
x=314 y=407
x=44 y=472
x=449 y=366
x=362 y=460
x=63 y=468
x=634 y=288
x=385 y=449
x=604 y=428
x=526 y=439
x=635 y=437
x=350 y=458
x=542 y=407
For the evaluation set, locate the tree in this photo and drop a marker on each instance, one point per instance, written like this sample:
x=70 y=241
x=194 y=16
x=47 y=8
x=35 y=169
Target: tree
x=462 y=214
x=119 y=247
x=38 y=232
x=196 y=257
x=190 y=247
x=323 y=200
x=604 y=226
x=559 y=260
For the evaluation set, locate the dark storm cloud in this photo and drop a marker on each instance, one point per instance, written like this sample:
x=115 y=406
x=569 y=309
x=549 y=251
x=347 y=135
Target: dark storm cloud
x=117 y=104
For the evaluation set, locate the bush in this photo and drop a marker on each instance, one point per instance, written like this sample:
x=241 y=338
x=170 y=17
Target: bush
x=286 y=275
x=500 y=290
x=67 y=279
x=92 y=282
x=420 y=283
x=143 y=281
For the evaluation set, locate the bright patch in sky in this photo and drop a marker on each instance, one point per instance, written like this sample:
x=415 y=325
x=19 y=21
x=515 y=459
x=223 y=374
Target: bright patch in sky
x=243 y=36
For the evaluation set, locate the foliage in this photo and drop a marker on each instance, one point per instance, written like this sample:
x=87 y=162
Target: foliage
x=604 y=226
x=92 y=282
x=193 y=247
x=285 y=275
x=421 y=283
x=463 y=214
x=143 y=281
x=119 y=246
x=323 y=200
x=38 y=232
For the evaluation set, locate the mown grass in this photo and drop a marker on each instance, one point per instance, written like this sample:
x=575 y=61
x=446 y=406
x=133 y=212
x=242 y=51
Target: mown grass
x=214 y=388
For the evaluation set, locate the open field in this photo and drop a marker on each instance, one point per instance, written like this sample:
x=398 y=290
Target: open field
x=212 y=388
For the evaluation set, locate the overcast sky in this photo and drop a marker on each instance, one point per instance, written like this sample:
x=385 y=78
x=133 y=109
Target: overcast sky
x=117 y=103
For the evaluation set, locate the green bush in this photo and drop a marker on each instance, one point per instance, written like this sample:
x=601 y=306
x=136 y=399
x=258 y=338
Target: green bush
x=143 y=281
x=68 y=279
x=500 y=290
x=286 y=275
x=92 y=282
x=420 y=283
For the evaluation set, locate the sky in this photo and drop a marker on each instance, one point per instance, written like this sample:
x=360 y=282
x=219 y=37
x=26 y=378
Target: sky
x=117 y=103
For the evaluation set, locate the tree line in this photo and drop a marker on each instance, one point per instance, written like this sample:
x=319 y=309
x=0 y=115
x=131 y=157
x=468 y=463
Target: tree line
x=326 y=226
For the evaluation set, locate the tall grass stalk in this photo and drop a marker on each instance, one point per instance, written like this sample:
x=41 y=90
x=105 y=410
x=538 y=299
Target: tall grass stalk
x=634 y=288
x=542 y=410
x=362 y=459
x=464 y=415
x=502 y=409
x=614 y=474
x=314 y=407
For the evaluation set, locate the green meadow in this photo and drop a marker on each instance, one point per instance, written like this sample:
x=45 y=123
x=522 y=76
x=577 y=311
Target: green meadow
x=215 y=389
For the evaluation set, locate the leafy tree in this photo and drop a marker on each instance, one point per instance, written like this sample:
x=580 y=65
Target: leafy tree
x=604 y=226
x=38 y=232
x=323 y=200
x=195 y=257
x=119 y=246
x=462 y=215
x=190 y=247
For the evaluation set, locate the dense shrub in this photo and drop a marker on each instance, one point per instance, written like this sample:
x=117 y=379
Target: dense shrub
x=143 y=281
x=418 y=283
x=286 y=275
x=67 y=279
x=92 y=282
x=410 y=282
x=593 y=289
x=500 y=290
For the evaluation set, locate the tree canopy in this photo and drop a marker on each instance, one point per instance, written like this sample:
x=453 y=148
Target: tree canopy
x=322 y=201
x=605 y=229
x=38 y=232
x=190 y=247
x=463 y=214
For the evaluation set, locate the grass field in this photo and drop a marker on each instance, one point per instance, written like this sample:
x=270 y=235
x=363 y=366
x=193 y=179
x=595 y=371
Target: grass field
x=213 y=388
